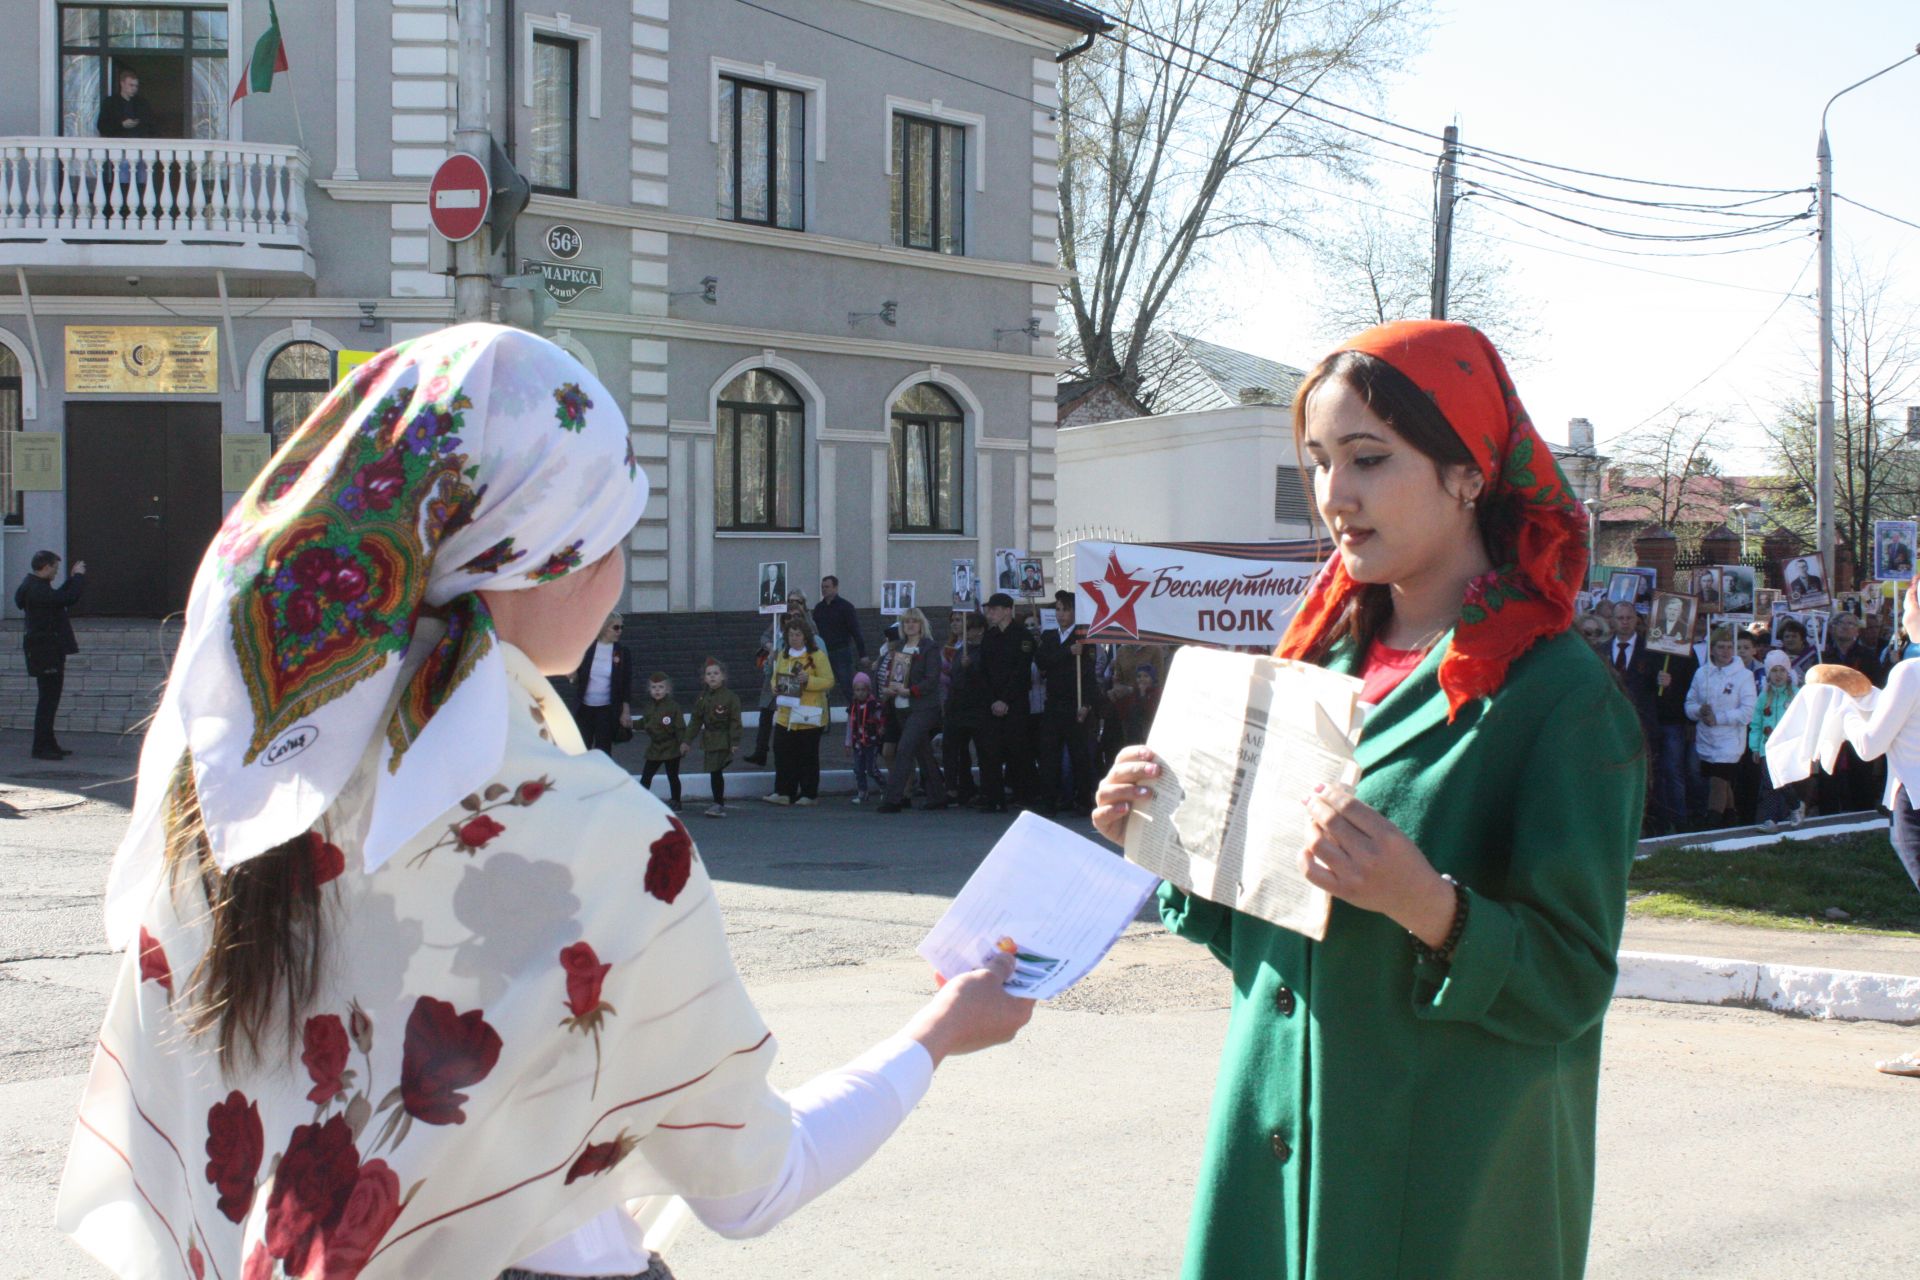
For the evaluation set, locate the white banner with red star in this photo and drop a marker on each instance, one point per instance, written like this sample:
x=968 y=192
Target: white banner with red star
x=1227 y=594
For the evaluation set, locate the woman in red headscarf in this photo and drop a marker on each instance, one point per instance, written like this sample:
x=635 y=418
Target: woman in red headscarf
x=1414 y=1096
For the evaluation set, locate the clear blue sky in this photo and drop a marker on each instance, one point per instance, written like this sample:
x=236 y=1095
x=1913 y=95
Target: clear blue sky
x=1724 y=92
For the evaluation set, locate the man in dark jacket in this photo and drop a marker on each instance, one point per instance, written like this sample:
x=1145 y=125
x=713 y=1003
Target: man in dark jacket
x=126 y=114
x=965 y=712
x=1068 y=717
x=837 y=624
x=1006 y=753
x=48 y=640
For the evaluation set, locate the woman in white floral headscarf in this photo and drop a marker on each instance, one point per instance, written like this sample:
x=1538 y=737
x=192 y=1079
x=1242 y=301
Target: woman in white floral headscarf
x=414 y=985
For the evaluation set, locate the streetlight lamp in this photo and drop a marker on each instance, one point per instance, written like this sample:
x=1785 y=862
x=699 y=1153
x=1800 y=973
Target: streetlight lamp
x=1823 y=483
x=1740 y=509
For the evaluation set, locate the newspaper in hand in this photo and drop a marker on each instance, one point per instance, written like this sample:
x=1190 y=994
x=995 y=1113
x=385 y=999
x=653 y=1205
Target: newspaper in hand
x=1242 y=741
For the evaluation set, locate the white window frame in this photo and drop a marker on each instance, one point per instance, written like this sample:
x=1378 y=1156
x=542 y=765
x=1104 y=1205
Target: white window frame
x=976 y=134
x=564 y=27
x=813 y=91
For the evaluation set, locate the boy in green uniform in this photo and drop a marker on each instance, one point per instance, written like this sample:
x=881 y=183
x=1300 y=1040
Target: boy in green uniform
x=716 y=725
x=663 y=722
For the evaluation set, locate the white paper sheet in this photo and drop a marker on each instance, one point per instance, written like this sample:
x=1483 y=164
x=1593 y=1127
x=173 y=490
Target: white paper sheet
x=1058 y=901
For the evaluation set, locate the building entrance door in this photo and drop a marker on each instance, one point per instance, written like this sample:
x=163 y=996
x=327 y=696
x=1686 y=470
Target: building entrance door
x=143 y=501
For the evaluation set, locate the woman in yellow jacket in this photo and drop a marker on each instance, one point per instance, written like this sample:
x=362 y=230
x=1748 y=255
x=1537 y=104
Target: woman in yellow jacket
x=801 y=677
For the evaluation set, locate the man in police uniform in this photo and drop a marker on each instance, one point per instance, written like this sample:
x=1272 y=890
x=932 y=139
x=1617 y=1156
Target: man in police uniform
x=1006 y=663
x=1068 y=714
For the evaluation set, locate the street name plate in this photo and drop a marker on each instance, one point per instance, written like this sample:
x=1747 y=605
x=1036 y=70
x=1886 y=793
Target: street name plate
x=564 y=283
x=147 y=360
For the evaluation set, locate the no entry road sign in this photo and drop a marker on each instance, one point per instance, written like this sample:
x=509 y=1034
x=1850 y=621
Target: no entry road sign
x=458 y=196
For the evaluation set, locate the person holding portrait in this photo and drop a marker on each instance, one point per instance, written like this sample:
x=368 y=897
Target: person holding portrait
x=1415 y=1095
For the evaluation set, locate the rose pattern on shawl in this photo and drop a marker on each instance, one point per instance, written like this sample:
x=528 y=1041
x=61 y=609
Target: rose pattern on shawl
x=559 y=564
x=585 y=976
x=494 y=558
x=259 y=1264
x=196 y=1263
x=153 y=963
x=324 y=1055
x=601 y=1156
x=445 y=1052
x=573 y=404
x=360 y=1026
x=476 y=833
x=235 y=1144
x=327 y=860
x=327 y=1211
x=379 y=484
x=670 y=862
x=471 y=834
x=347 y=1243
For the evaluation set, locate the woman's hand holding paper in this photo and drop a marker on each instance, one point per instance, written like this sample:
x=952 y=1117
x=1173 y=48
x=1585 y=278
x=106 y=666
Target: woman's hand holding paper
x=1356 y=854
x=1124 y=785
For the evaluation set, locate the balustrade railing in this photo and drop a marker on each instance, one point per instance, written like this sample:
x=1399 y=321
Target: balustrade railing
x=156 y=189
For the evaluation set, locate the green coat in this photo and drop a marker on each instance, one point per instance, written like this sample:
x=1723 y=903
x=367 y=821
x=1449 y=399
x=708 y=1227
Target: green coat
x=1377 y=1118
x=663 y=723
x=716 y=727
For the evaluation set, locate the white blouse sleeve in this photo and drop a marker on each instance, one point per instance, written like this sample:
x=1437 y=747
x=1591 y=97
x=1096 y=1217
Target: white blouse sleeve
x=1873 y=733
x=839 y=1120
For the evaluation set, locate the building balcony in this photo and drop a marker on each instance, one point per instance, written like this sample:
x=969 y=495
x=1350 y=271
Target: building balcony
x=80 y=206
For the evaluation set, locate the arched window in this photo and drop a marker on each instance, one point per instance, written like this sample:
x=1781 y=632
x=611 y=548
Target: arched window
x=759 y=454
x=926 y=471
x=10 y=427
x=298 y=379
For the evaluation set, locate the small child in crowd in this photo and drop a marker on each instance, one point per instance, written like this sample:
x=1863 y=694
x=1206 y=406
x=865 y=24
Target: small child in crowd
x=716 y=722
x=865 y=726
x=1776 y=803
x=663 y=721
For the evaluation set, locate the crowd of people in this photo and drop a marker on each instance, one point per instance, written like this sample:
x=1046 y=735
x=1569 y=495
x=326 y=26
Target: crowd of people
x=1707 y=714
x=1009 y=708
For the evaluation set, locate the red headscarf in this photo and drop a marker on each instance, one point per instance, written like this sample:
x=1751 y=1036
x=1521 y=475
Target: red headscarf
x=1531 y=596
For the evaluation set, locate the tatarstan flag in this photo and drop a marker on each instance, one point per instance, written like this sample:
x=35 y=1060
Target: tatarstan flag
x=269 y=57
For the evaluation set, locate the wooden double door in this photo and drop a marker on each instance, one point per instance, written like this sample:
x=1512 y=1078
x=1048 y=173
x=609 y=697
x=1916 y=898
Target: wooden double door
x=143 y=501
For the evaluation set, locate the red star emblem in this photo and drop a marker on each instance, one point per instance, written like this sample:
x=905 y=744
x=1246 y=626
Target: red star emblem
x=1126 y=590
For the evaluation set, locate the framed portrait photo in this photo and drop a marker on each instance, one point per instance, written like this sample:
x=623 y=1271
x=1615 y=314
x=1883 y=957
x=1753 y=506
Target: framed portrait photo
x=1006 y=570
x=1670 y=622
x=1708 y=588
x=1806 y=579
x=772 y=586
x=1033 y=580
x=1629 y=586
x=966 y=586
x=1893 y=542
x=1737 y=585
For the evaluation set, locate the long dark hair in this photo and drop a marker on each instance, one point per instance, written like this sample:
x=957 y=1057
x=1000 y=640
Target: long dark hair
x=1414 y=417
x=265 y=935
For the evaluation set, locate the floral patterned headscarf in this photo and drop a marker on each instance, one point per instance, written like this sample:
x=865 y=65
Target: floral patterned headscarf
x=478 y=457
x=1532 y=594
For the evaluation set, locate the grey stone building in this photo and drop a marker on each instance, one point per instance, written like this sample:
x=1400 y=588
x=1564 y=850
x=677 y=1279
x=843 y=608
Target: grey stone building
x=811 y=243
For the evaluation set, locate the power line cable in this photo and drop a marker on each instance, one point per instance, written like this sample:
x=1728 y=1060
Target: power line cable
x=1785 y=298
x=1882 y=212
x=1730 y=233
x=1424 y=134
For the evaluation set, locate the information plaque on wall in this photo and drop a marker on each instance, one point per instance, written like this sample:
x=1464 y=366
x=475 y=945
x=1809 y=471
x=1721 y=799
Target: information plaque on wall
x=242 y=457
x=38 y=464
x=153 y=360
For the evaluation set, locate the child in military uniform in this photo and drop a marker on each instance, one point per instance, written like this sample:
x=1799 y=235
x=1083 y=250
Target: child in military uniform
x=662 y=720
x=716 y=724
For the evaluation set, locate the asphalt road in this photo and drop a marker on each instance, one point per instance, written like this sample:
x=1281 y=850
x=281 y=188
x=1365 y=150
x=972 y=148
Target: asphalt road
x=1733 y=1144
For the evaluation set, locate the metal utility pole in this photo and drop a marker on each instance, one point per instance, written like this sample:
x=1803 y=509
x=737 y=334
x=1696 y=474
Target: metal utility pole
x=472 y=281
x=1823 y=477
x=1443 y=224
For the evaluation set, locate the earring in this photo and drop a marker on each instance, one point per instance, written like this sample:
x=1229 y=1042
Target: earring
x=1469 y=502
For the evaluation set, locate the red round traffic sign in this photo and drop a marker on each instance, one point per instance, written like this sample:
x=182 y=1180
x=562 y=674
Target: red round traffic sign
x=458 y=196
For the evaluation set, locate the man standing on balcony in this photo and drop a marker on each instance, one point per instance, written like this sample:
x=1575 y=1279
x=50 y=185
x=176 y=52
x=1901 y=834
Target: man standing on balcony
x=48 y=641
x=126 y=114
